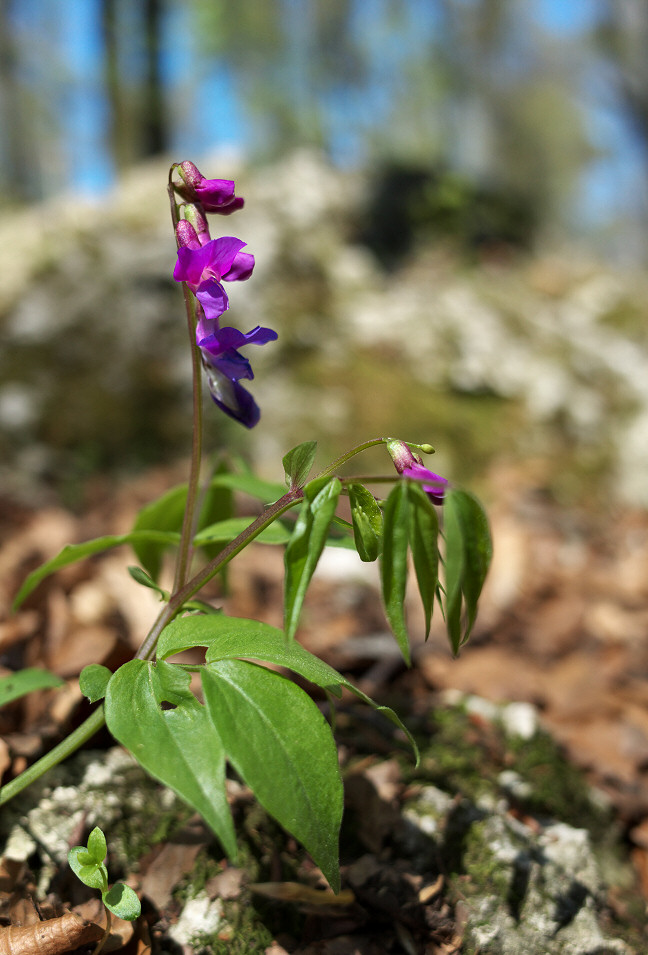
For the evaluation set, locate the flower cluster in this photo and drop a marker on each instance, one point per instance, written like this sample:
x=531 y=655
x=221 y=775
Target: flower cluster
x=411 y=466
x=204 y=264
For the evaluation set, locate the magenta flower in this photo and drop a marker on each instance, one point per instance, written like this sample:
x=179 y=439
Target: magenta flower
x=204 y=268
x=225 y=367
x=412 y=467
x=215 y=195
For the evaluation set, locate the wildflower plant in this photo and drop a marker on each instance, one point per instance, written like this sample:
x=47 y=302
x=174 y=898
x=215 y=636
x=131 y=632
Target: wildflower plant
x=250 y=716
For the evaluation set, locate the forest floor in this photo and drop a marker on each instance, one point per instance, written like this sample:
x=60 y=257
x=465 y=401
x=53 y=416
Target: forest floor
x=563 y=625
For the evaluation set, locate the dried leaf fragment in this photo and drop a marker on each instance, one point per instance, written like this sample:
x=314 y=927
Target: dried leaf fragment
x=52 y=937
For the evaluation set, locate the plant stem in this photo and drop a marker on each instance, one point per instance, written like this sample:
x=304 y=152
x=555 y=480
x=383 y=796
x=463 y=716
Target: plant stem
x=332 y=468
x=183 y=559
x=178 y=599
x=64 y=749
x=184 y=553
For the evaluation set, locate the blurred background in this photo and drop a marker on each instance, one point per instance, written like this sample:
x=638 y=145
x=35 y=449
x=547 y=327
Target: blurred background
x=446 y=198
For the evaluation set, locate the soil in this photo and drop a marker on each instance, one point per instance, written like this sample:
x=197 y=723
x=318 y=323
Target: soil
x=563 y=625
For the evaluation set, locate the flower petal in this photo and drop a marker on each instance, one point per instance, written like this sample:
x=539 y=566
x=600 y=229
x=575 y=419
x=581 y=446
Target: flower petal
x=241 y=269
x=213 y=298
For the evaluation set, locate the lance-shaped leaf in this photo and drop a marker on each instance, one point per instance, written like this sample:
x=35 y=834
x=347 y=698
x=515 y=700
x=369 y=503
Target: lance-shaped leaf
x=265 y=491
x=18 y=684
x=73 y=552
x=393 y=565
x=229 y=638
x=163 y=514
x=423 y=540
x=225 y=531
x=367 y=522
x=282 y=747
x=151 y=711
x=306 y=545
x=298 y=463
x=468 y=553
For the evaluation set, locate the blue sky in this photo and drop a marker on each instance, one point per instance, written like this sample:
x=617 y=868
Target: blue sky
x=212 y=105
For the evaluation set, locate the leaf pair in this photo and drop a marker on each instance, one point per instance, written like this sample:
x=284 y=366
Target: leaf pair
x=411 y=525
x=87 y=863
x=269 y=729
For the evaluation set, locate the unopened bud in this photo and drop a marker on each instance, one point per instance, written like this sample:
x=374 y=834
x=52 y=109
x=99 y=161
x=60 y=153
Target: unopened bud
x=186 y=235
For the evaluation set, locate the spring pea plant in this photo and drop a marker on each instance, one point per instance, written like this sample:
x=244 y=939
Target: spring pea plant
x=87 y=863
x=258 y=720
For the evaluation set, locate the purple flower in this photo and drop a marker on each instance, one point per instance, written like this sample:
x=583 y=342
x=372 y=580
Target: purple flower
x=205 y=267
x=411 y=466
x=225 y=367
x=215 y=195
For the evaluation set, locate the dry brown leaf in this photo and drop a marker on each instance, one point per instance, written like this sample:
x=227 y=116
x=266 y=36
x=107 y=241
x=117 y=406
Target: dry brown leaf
x=53 y=937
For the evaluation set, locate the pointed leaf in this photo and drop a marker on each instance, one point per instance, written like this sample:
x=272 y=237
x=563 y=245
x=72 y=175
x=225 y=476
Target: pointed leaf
x=18 y=684
x=423 y=541
x=74 y=552
x=282 y=747
x=367 y=522
x=122 y=902
x=393 y=565
x=238 y=638
x=225 y=531
x=140 y=576
x=468 y=553
x=163 y=514
x=97 y=845
x=306 y=545
x=179 y=746
x=265 y=491
x=91 y=874
x=298 y=463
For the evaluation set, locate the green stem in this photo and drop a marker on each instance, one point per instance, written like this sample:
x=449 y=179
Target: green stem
x=64 y=749
x=184 y=553
x=332 y=468
x=183 y=559
x=234 y=547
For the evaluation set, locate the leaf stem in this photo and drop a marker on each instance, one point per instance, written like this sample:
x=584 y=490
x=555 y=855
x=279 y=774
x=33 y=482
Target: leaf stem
x=183 y=559
x=180 y=597
x=64 y=749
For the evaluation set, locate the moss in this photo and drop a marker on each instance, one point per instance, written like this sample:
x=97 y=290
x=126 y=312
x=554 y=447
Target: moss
x=557 y=788
x=454 y=757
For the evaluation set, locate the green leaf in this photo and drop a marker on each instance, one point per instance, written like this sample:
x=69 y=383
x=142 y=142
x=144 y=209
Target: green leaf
x=73 y=552
x=178 y=745
x=93 y=681
x=306 y=545
x=140 y=576
x=423 y=541
x=229 y=638
x=122 y=902
x=468 y=553
x=163 y=514
x=298 y=463
x=282 y=747
x=225 y=531
x=97 y=845
x=393 y=565
x=93 y=874
x=18 y=684
x=265 y=491
x=367 y=522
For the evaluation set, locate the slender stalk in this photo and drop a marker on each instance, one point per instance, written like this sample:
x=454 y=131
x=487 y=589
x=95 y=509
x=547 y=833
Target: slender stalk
x=184 y=553
x=183 y=559
x=178 y=599
x=104 y=938
x=64 y=749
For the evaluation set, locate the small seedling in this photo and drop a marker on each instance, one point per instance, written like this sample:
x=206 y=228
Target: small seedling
x=87 y=863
